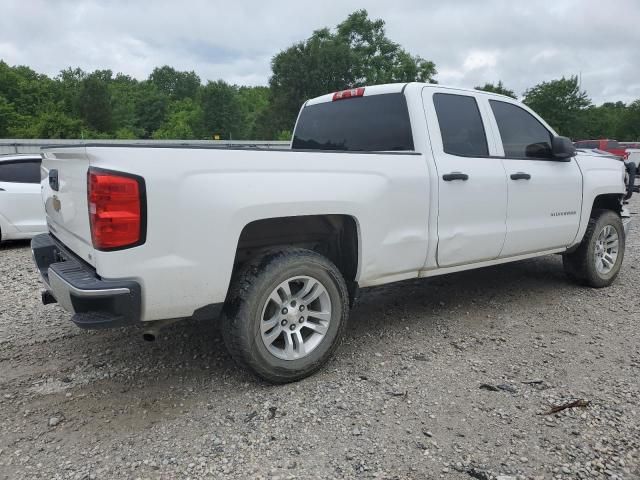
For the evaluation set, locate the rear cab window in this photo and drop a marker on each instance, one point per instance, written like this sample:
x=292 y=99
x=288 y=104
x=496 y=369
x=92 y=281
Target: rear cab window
x=374 y=123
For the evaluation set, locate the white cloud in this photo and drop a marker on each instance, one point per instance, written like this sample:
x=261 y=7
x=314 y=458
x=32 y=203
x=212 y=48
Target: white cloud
x=471 y=42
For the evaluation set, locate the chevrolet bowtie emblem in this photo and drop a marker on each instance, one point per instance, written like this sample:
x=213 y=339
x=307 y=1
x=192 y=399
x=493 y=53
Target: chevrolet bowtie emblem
x=57 y=204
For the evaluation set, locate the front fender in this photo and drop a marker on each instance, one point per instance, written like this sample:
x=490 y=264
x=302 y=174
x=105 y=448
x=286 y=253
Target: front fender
x=600 y=176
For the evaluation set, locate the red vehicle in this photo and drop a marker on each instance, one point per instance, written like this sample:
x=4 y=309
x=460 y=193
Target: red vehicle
x=611 y=146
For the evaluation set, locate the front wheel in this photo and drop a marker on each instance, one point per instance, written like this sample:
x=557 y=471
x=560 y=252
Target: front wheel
x=286 y=313
x=598 y=259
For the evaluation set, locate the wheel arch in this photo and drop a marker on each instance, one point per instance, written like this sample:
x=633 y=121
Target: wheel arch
x=608 y=201
x=336 y=236
x=601 y=201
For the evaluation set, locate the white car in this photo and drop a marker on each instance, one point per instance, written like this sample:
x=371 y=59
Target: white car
x=21 y=212
x=381 y=184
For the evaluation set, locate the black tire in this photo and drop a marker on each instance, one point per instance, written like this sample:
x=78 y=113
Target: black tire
x=248 y=294
x=580 y=265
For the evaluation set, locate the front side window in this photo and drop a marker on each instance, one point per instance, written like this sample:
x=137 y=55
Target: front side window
x=20 y=171
x=523 y=136
x=612 y=144
x=461 y=125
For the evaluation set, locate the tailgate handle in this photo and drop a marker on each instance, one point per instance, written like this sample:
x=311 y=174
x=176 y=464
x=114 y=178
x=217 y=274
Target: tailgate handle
x=520 y=176
x=54 y=180
x=449 y=177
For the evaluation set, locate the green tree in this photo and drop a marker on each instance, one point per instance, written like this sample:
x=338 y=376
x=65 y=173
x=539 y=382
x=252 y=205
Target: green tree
x=7 y=117
x=357 y=53
x=378 y=59
x=52 y=125
x=499 y=88
x=27 y=91
x=601 y=122
x=151 y=107
x=560 y=103
x=69 y=81
x=94 y=101
x=254 y=101
x=184 y=122
x=176 y=85
x=125 y=133
x=123 y=90
x=629 y=127
x=221 y=110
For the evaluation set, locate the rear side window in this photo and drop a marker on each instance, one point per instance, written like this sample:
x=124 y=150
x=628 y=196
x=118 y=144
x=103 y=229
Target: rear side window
x=374 y=123
x=20 y=171
x=461 y=125
x=523 y=136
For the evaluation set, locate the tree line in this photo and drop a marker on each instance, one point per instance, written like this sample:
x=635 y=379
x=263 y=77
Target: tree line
x=173 y=104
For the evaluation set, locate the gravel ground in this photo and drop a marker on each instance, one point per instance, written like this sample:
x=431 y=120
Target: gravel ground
x=451 y=377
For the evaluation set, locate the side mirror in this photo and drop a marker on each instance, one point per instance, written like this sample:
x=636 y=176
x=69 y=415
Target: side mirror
x=562 y=149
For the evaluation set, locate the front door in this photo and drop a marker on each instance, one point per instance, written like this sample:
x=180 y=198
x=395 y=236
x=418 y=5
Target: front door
x=472 y=189
x=545 y=195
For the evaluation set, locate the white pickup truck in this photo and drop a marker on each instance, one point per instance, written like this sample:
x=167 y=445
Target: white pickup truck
x=381 y=184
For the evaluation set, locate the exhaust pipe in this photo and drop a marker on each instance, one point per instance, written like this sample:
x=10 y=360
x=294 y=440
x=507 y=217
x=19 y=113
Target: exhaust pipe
x=150 y=335
x=153 y=330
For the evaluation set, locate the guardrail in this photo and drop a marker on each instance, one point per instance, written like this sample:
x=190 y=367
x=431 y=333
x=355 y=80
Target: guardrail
x=9 y=146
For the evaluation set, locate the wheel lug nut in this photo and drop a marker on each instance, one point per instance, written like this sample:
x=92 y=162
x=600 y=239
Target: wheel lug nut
x=293 y=303
x=292 y=327
x=283 y=323
x=285 y=311
x=301 y=320
x=302 y=308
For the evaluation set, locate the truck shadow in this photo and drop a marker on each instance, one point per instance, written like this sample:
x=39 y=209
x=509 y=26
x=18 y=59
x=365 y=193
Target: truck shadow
x=191 y=354
x=195 y=348
x=14 y=244
x=188 y=366
x=472 y=292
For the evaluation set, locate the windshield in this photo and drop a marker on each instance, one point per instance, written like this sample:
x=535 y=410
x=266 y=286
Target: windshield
x=373 y=123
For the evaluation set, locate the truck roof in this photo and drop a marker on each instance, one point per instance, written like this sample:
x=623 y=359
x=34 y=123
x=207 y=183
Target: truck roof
x=398 y=88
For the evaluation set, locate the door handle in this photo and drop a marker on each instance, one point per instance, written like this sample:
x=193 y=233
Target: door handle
x=520 y=176
x=448 y=177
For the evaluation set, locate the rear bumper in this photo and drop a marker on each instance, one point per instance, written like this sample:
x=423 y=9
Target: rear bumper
x=93 y=302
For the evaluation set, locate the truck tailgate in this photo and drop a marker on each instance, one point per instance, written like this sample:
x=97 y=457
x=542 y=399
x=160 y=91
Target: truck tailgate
x=64 y=192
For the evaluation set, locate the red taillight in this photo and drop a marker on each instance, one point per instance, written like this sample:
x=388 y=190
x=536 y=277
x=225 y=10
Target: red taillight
x=116 y=210
x=354 y=92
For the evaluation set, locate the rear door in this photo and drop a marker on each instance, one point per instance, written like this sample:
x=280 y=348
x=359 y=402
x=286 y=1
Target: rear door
x=545 y=195
x=20 y=200
x=472 y=190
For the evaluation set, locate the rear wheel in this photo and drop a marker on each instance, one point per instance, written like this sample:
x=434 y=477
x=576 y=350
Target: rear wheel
x=598 y=259
x=285 y=314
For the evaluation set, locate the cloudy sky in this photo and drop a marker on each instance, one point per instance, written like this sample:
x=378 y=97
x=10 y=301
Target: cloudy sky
x=521 y=42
